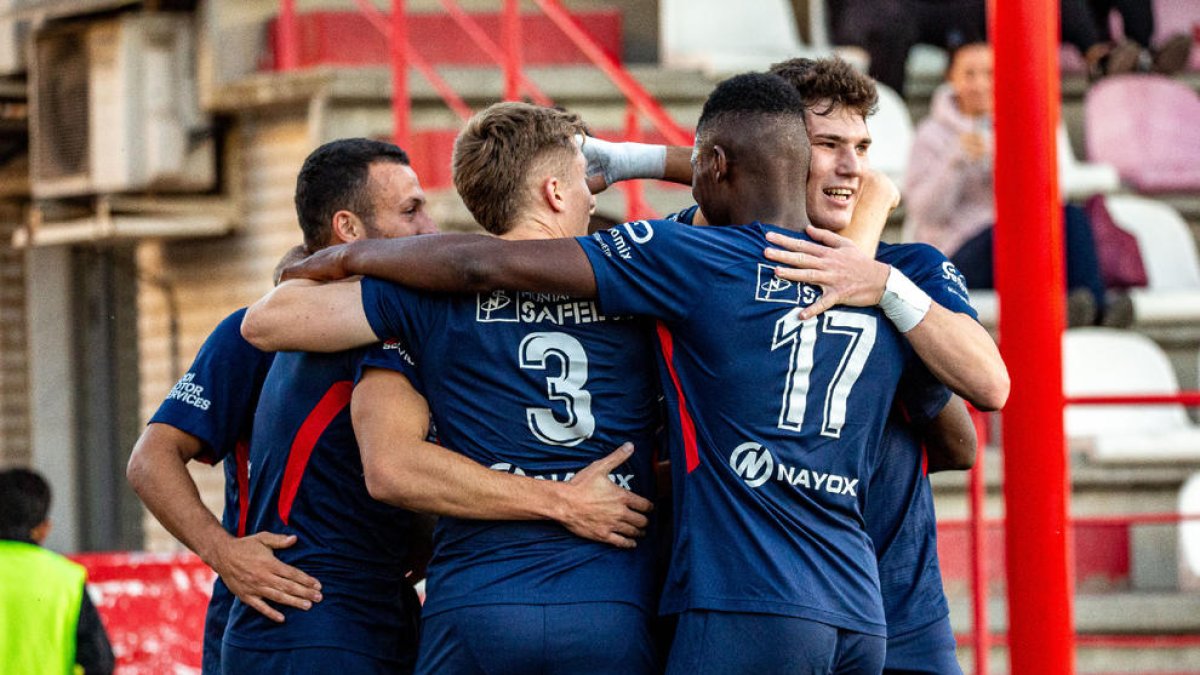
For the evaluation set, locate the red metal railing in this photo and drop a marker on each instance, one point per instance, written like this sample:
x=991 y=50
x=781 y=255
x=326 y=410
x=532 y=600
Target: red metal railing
x=507 y=56
x=980 y=638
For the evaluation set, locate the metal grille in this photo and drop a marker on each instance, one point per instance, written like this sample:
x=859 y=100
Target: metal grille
x=60 y=125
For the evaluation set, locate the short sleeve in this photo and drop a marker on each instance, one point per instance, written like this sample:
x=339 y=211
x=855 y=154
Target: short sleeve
x=930 y=270
x=646 y=267
x=391 y=354
x=215 y=400
x=392 y=310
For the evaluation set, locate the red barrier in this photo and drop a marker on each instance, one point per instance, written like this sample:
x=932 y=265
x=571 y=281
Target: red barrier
x=153 y=608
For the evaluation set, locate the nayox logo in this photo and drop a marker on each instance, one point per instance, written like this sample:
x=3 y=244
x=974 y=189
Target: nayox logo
x=753 y=463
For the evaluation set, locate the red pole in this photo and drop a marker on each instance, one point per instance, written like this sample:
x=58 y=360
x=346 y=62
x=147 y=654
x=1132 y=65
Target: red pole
x=289 y=36
x=512 y=50
x=979 y=583
x=400 y=98
x=481 y=38
x=635 y=201
x=1029 y=282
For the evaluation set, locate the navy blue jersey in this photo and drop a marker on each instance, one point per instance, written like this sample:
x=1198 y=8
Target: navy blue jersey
x=899 y=501
x=306 y=478
x=214 y=401
x=772 y=419
x=900 y=517
x=540 y=385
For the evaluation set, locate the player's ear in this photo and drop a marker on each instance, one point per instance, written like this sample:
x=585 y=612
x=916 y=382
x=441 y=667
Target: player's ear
x=720 y=164
x=347 y=227
x=553 y=195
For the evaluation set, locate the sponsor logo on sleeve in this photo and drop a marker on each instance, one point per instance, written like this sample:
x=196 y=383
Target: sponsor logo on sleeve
x=401 y=351
x=958 y=283
x=188 y=392
x=624 y=238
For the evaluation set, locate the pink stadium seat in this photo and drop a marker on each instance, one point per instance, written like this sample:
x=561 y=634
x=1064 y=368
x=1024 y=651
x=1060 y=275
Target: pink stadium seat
x=1178 y=16
x=1145 y=125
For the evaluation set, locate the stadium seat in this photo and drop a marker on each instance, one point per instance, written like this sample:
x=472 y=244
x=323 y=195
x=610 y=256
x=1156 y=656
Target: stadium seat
x=891 y=135
x=722 y=38
x=1080 y=180
x=1175 y=16
x=1169 y=255
x=1145 y=126
x=1100 y=361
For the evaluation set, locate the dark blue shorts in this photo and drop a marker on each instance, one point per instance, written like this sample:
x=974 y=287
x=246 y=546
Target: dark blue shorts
x=305 y=661
x=928 y=650
x=214 y=627
x=719 y=643
x=597 y=638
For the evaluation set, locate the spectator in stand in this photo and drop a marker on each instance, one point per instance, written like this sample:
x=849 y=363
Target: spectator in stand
x=48 y=623
x=949 y=191
x=1137 y=20
x=888 y=29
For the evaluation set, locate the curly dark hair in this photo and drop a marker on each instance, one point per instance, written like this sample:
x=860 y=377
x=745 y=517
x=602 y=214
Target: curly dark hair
x=830 y=83
x=751 y=94
x=334 y=178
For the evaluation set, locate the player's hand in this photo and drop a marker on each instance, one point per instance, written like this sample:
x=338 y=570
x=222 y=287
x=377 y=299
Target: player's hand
x=249 y=568
x=328 y=264
x=609 y=163
x=876 y=186
x=846 y=275
x=599 y=510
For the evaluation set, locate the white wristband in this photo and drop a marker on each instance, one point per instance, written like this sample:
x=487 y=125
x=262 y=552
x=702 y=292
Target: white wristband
x=624 y=161
x=903 y=301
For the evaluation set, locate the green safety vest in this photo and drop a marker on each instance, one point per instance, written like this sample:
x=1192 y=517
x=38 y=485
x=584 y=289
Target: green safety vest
x=40 y=595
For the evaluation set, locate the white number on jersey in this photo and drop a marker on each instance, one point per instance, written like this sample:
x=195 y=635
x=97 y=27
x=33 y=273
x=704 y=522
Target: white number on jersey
x=802 y=337
x=567 y=387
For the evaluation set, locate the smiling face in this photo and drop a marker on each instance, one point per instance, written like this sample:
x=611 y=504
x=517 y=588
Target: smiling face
x=839 y=159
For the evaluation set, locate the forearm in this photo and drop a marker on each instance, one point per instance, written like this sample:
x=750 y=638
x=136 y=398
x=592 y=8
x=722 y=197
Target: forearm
x=960 y=353
x=877 y=199
x=950 y=440
x=468 y=263
x=425 y=477
x=160 y=477
x=678 y=168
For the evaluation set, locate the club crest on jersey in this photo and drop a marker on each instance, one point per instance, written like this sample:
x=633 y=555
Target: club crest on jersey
x=496 y=306
x=770 y=288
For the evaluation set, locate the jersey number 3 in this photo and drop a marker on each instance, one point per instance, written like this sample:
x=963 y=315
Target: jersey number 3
x=802 y=337
x=536 y=352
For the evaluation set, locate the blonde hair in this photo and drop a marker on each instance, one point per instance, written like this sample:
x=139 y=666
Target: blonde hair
x=495 y=153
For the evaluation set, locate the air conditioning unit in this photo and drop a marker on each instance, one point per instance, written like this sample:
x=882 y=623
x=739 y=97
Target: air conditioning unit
x=13 y=33
x=114 y=109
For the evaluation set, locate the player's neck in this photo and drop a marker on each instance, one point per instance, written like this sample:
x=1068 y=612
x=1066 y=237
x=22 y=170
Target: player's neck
x=531 y=226
x=781 y=210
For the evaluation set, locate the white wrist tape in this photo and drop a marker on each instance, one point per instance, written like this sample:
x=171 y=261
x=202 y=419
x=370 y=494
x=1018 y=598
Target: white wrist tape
x=624 y=161
x=903 y=301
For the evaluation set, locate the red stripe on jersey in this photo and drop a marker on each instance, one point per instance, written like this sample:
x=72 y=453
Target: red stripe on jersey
x=241 y=455
x=690 y=451
x=332 y=403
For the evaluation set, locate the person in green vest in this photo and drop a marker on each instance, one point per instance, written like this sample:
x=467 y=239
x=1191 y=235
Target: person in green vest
x=48 y=625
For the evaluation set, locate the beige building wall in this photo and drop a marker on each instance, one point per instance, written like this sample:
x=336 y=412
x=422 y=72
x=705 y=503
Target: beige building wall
x=187 y=287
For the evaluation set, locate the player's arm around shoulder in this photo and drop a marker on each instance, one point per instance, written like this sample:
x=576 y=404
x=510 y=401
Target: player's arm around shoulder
x=304 y=315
